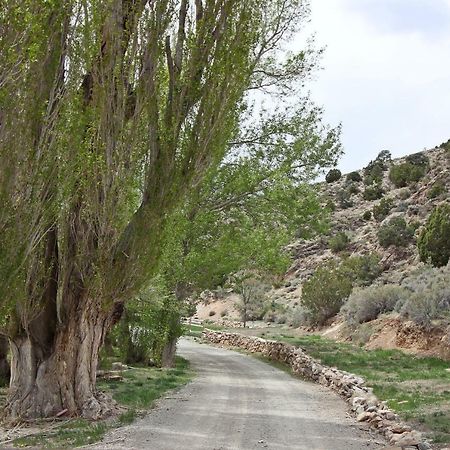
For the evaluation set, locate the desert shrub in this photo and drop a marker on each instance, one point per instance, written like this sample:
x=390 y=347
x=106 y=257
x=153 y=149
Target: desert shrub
x=339 y=242
x=429 y=295
x=367 y=304
x=330 y=205
x=299 y=316
x=404 y=194
x=395 y=232
x=344 y=199
x=354 y=176
x=384 y=157
x=382 y=210
x=333 y=175
x=373 y=192
x=325 y=292
x=352 y=188
x=406 y=173
x=373 y=173
x=437 y=189
x=363 y=270
x=418 y=159
x=367 y=215
x=434 y=240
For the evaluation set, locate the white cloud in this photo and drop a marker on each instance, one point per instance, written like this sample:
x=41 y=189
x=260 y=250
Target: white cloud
x=389 y=87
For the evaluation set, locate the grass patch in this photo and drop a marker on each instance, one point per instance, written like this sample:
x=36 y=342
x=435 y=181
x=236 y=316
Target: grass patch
x=415 y=387
x=138 y=391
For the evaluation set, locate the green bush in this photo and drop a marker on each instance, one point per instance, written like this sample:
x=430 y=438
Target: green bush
x=437 y=189
x=325 y=292
x=373 y=173
x=333 y=175
x=373 y=192
x=352 y=188
x=339 y=242
x=395 y=232
x=330 y=205
x=428 y=296
x=344 y=199
x=406 y=173
x=382 y=210
x=354 y=176
x=384 y=157
x=418 y=159
x=434 y=240
x=363 y=270
x=367 y=215
x=367 y=304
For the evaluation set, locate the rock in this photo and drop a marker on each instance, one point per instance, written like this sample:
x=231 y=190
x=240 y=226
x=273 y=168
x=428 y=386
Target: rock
x=118 y=366
x=407 y=438
x=365 y=416
x=399 y=428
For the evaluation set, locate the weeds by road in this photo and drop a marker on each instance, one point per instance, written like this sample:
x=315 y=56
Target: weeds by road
x=417 y=388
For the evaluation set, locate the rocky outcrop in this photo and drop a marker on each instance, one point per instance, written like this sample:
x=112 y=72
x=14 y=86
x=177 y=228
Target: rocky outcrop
x=366 y=407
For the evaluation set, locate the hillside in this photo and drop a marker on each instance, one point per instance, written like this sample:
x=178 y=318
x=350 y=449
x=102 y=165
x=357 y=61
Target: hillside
x=350 y=204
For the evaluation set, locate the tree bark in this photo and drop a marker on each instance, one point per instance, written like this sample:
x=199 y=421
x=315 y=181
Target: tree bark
x=168 y=353
x=4 y=365
x=44 y=383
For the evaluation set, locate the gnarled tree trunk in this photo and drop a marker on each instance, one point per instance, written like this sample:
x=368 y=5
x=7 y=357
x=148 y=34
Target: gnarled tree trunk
x=4 y=365
x=168 y=353
x=45 y=383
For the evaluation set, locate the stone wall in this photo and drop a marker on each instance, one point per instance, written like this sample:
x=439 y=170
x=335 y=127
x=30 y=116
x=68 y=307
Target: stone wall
x=366 y=407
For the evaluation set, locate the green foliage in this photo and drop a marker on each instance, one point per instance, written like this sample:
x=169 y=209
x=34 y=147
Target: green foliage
x=384 y=157
x=374 y=172
x=428 y=296
x=439 y=188
x=418 y=159
x=333 y=175
x=406 y=173
x=367 y=215
x=373 y=192
x=150 y=321
x=363 y=270
x=339 y=242
x=434 y=240
x=395 y=232
x=382 y=210
x=344 y=199
x=367 y=304
x=354 y=176
x=253 y=303
x=352 y=188
x=325 y=292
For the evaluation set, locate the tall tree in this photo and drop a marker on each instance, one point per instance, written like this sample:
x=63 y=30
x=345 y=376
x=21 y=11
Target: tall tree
x=110 y=112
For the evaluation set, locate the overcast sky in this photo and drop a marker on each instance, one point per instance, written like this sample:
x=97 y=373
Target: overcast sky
x=386 y=74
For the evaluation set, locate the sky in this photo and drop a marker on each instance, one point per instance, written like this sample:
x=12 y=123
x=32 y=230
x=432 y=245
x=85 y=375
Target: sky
x=386 y=74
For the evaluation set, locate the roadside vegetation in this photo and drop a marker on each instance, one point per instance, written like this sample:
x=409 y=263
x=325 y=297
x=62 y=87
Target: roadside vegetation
x=418 y=389
x=135 y=394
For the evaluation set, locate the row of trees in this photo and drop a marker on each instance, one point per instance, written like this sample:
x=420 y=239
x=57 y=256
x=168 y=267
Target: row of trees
x=129 y=153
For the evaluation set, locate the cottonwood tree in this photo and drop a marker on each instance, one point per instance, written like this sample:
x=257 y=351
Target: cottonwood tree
x=110 y=113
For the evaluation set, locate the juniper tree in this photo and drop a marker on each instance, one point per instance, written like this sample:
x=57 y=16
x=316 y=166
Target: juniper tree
x=111 y=112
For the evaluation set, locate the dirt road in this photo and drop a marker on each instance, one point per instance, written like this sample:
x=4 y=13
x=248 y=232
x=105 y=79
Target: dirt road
x=239 y=402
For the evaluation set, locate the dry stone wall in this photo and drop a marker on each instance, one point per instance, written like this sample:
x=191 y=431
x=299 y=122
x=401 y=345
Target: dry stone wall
x=366 y=407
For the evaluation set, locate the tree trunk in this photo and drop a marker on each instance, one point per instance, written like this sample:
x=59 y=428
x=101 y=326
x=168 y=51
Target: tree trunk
x=168 y=353
x=64 y=378
x=4 y=365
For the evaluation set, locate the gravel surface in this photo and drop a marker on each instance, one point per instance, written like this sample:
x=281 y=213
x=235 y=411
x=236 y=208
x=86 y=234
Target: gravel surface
x=239 y=402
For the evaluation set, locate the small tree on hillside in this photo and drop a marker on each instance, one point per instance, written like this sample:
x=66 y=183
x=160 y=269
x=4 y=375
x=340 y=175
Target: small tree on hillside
x=253 y=303
x=434 y=240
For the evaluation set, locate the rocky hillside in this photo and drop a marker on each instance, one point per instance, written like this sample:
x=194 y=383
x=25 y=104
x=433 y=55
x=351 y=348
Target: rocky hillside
x=360 y=205
x=353 y=216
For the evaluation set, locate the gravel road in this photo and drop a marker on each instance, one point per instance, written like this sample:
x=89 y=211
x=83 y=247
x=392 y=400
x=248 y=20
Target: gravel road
x=239 y=402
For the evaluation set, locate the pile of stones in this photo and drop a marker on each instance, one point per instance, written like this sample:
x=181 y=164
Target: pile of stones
x=366 y=407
